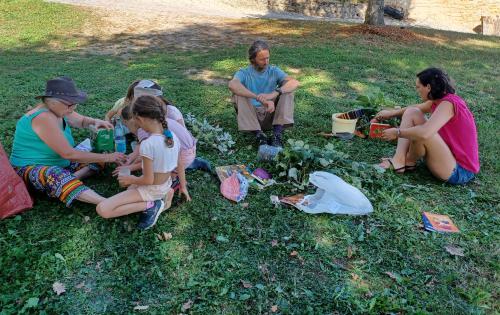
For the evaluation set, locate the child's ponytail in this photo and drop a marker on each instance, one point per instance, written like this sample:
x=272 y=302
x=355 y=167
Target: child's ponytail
x=169 y=138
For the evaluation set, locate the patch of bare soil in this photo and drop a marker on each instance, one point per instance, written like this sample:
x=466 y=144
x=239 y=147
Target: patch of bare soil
x=390 y=32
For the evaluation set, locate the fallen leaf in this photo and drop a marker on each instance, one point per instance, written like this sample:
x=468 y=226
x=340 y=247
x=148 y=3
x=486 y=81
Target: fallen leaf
x=340 y=263
x=244 y=205
x=158 y=236
x=274 y=308
x=349 y=252
x=246 y=285
x=141 y=307
x=167 y=236
x=58 y=288
x=86 y=219
x=187 y=305
x=354 y=276
x=80 y=285
x=454 y=250
x=431 y=283
x=394 y=276
x=98 y=266
x=294 y=253
x=274 y=243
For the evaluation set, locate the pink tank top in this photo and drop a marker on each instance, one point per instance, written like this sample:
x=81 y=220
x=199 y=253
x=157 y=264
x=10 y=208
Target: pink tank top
x=460 y=133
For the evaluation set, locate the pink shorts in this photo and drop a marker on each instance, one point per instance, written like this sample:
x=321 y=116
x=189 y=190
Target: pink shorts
x=187 y=156
x=153 y=192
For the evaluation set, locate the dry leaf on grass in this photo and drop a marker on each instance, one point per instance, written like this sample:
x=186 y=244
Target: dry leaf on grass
x=167 y=236
x=391 y=275
x=274 y=308
x=86 y=218
x=294 y=253
x=141 y=307
x=58 y=288
x=80 y=285
x=349 y=252
x=245 y=205
x=187 y=305
x=454 y=250
x=164 y=236
x=274 y=243
x=246 y=285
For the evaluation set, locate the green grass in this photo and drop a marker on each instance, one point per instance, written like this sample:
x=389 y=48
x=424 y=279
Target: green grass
x=342 y=261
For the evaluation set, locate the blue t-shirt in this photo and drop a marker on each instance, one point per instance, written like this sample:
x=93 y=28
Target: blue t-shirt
x=260 y=82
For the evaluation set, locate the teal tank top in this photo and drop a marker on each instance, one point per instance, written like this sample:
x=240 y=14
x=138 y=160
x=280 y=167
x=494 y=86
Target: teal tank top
x=29 y=149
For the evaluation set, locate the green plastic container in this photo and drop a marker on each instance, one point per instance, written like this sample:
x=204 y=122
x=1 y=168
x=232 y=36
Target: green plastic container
x=103 y=140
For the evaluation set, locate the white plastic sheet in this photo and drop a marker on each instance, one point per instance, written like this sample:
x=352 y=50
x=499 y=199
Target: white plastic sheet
x=334 y=196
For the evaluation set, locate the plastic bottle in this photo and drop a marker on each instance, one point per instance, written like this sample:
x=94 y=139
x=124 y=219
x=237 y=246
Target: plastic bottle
x=120 y=141
x=268 y=152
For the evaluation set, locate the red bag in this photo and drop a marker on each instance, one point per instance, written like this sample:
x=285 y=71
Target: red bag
x=14 y=197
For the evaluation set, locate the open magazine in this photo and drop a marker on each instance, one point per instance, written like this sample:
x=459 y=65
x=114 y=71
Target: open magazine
x=254 y=180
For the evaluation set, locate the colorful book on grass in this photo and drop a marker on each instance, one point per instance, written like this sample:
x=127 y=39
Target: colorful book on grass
x=438 y=223
x=376 y=129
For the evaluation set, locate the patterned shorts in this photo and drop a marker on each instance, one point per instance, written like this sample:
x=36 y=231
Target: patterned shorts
x=55 y=181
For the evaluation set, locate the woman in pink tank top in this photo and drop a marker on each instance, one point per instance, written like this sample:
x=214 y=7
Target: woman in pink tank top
x=447 y=140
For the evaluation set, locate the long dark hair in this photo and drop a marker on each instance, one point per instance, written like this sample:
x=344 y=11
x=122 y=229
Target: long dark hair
x=439 y=81
x=152 y=107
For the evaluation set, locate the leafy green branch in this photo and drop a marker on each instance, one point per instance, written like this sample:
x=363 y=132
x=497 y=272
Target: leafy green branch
x=208 y=135
x=299 y=159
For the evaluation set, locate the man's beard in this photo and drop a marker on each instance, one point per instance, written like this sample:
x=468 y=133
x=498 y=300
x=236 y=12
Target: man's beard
x=259 y=68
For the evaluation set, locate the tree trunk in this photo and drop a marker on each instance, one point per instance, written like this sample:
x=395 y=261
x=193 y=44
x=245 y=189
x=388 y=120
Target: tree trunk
x=375 y=12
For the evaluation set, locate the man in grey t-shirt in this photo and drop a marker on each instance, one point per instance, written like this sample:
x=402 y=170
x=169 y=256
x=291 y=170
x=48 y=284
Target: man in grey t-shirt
x=263 y=96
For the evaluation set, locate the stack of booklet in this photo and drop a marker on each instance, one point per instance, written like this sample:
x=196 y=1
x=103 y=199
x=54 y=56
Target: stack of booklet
x=438 y=223
x=254 y=180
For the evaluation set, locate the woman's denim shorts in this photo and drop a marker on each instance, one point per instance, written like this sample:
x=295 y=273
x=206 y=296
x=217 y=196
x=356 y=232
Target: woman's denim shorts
x=460 y=176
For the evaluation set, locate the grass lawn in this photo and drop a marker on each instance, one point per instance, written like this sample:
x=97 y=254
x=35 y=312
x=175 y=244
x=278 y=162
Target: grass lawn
x=226 y=258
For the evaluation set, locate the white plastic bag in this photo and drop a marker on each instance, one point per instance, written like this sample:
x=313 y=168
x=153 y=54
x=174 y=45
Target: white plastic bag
x=334 y=196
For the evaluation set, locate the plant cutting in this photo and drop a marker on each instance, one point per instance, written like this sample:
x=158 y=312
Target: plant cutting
x=209 y=135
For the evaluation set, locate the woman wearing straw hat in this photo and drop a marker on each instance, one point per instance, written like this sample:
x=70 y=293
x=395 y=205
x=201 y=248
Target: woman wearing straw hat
x=43 y=152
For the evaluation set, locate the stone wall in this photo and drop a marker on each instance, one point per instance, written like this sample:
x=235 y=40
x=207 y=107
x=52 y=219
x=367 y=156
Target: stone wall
x=352 y=10
x=457 y=15
x=480 y=16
